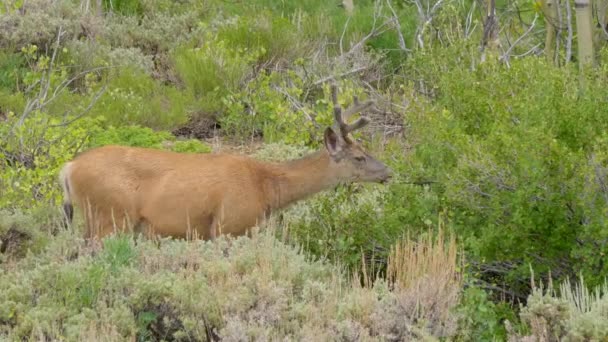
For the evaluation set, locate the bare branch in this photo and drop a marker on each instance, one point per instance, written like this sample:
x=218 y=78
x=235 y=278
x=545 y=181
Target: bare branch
x=343 y=34
x=342 y=75
x=398 y=24
x=507 y=53
x=85 y=111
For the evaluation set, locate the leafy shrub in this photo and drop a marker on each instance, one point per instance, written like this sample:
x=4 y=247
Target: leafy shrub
x=133 y=97
x=33 y=153
x=11 y=70
x=41 y=24
x=571 y=314
x=128 y=7
x=515 y=160
x=273 y=105
x=138 y=136
x=212 y=70
x=130 y=136
x=479 y=317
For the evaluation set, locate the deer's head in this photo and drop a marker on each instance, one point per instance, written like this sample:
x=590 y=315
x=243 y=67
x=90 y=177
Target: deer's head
x=349 y=160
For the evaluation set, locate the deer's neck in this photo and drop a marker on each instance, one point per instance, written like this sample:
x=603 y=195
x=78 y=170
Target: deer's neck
x=298 y=179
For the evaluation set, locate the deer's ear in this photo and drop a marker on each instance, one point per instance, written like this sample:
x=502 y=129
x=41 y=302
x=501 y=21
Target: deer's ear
x=332 y=142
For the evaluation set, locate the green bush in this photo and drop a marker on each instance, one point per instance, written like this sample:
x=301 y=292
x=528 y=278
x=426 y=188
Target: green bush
x=213 y=70
x=127 y=7
x=138 y=136
x=516 y=157
x=29 y=172
x=570 y=313
x=32 y=153
x=274 y=106
x=133 y=97
x=11 y=70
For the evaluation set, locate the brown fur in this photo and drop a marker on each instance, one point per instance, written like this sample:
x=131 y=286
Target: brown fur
x=181 y=194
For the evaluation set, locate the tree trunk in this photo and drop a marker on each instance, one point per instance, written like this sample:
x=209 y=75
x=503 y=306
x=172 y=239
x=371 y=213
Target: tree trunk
x=550 y=10
x=490 y=39
x=349 y=5
x=602 y=18
x=584 y=31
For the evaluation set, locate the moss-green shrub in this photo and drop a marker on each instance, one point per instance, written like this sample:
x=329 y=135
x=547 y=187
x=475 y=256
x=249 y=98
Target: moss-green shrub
x=11 y=70
x=213 y=70
x=274 y=105
x=34 y=151
x=133 y=97
x=572 y=313
x=516 y=159
x=138 y=136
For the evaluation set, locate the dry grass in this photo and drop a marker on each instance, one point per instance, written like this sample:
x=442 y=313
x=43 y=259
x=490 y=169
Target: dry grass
x=425 y=274
x=235 y=289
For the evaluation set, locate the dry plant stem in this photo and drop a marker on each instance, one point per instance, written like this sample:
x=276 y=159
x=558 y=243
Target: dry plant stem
x=340 y=76
x=402 y=45
x=507 y=54
x=343 y=34
x=425 y=19
x=468 y=29
x=375 y=31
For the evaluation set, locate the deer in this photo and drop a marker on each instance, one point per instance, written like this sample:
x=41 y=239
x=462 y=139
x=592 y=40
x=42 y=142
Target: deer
x=169 y=194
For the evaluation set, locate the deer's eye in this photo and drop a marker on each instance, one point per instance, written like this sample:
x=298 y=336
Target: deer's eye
x=360 y=159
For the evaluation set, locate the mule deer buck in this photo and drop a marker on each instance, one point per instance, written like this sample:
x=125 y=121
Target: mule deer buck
x=166 y=193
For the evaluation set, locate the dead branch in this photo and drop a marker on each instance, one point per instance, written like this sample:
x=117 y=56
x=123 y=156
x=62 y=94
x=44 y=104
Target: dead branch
x=402 y=45
x=507 y=54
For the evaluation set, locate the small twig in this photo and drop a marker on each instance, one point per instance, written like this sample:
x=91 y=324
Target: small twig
x=343 y=34
x=85 y=111
x=375 y=31
x=296 y=104
x=398 y=24
x=468 y=30
x=342 y=75
x=506 y=55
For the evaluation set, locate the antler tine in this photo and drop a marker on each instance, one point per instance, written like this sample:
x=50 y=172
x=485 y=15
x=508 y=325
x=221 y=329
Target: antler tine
x=360 y=123
x=358 y=107
x=340 y=117
x=339 y=121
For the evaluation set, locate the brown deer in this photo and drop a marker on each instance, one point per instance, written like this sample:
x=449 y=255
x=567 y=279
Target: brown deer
x=186 y=194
